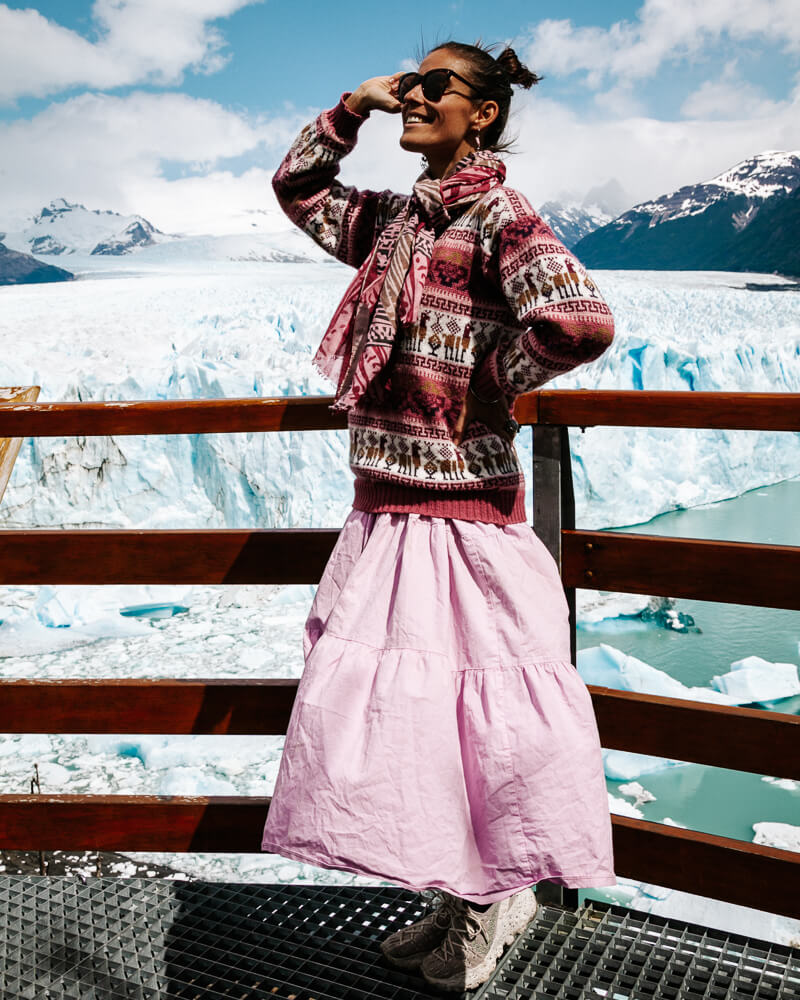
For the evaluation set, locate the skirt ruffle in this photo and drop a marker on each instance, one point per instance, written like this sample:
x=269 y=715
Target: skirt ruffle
x=440 y=736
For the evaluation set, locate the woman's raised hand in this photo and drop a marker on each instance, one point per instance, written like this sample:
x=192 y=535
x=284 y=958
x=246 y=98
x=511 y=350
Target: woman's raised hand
x=376 y=94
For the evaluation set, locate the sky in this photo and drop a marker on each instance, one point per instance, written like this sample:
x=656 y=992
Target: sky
x=180 y=110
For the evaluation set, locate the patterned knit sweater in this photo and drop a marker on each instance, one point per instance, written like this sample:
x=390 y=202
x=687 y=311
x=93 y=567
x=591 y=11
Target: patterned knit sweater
x=504 y=305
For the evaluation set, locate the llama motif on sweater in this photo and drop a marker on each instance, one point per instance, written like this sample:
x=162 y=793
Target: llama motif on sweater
x=504 y=306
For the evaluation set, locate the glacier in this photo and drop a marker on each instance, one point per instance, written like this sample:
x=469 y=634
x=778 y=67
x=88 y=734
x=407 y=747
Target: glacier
x=135 y=330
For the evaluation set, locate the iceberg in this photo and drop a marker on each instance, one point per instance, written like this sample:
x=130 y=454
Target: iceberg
x=754 y=679
x=789 y=784
x=623 y=808
x=606 y=666
x=637 y=792
x=785 y=836
x=621 y=765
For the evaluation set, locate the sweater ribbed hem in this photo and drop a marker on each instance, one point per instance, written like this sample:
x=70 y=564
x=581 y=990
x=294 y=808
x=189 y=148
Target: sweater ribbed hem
x=489 y=506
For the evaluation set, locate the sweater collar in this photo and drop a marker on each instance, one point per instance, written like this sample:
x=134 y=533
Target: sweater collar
x=474 y=174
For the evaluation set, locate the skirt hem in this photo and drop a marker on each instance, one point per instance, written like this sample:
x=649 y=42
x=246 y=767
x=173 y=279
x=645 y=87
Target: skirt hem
x=575 y=881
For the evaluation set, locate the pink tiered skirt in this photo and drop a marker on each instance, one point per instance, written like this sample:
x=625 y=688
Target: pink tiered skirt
x=441 y=737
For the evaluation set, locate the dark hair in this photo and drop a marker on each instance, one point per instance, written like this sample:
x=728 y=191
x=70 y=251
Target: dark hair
x=493 y=77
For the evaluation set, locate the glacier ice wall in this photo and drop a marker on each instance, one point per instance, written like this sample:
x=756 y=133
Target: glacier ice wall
x=245 y=329
x=700 y=331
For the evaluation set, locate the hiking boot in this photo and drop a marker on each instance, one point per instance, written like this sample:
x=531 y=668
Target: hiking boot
x=470 y=950
x=407 y=947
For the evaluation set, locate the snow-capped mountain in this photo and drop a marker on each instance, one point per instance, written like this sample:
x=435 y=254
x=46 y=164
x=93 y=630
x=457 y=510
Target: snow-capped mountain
x=64 y=227
x=67 y=229
x=758 y=178
x=138 y=234
x=571 y=222
x=700 y=226
x=571 y=217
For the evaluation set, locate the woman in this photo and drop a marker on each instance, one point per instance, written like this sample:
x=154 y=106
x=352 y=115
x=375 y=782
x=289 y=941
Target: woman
x=440 y=736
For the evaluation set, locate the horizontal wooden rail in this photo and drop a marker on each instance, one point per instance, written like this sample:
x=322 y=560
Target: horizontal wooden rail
x=758 y=411
x=218 y=824
x=170 y=416
x=226 y=555
x=775 y=411
x=741 y=739
x=727 y=572
x=696 y=862
x=256 y=706
x=736 y=871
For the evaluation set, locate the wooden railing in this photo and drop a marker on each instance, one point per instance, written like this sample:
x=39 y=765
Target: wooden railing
x=744 y=573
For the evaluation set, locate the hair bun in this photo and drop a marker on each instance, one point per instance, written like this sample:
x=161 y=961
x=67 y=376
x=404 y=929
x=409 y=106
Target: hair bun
x=516 y=71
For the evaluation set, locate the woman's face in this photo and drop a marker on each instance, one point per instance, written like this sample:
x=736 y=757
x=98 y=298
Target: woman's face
x=440 y=128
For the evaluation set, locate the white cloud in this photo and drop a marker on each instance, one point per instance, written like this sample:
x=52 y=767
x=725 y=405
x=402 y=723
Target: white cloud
x=561 y=149
x=730 y=96
x=664 y=30
x=110 y=152
x=152 y=41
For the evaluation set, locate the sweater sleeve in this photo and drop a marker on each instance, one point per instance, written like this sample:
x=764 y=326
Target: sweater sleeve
x=567 y=322
x=342 y=220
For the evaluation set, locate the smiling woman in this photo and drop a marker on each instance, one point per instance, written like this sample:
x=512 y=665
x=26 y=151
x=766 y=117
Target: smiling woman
x=440 y=736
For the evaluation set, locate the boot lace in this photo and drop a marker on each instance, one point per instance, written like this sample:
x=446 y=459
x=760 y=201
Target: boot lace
x=466 y=926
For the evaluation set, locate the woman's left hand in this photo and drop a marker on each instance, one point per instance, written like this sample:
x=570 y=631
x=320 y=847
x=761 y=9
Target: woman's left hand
x=496 y=416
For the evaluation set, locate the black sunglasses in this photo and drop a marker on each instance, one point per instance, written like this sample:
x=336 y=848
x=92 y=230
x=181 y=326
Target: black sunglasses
x=434 y=84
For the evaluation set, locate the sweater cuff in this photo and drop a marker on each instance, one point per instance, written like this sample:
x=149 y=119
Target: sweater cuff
x=343 y=120
x=486 y=379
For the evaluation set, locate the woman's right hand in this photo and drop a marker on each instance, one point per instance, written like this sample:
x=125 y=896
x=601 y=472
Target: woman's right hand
x=379 y=93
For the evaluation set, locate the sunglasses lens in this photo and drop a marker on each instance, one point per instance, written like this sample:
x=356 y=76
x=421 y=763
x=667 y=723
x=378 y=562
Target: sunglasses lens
x=435 y=83
x=406 y=84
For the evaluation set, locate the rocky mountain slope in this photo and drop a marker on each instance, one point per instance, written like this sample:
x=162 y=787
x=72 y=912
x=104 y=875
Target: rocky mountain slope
x=23 y=269
x=726 y=223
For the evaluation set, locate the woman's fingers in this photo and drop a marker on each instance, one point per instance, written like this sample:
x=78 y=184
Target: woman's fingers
x=392 y=81
x=376 y=94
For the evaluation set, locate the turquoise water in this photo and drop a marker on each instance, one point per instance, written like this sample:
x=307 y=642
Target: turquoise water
x=715 y=800
x=729 y=631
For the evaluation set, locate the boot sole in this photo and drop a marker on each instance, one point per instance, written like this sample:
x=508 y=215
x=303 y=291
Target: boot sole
x=512 y=925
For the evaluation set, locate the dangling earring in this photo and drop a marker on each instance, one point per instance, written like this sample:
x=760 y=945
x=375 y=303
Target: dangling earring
x=478 y=139
x=424 y=161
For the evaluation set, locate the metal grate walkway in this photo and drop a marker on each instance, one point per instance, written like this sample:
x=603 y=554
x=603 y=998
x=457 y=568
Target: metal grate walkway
x=150 y=939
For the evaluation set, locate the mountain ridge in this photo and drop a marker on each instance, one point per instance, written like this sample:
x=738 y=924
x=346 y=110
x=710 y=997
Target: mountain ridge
x=702 y=226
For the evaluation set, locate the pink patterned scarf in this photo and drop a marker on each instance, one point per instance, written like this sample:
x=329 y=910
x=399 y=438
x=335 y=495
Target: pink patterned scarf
x=384 y=294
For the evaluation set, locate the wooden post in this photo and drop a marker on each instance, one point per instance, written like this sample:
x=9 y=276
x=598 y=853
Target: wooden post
x=9 y=447
x=554 y=511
